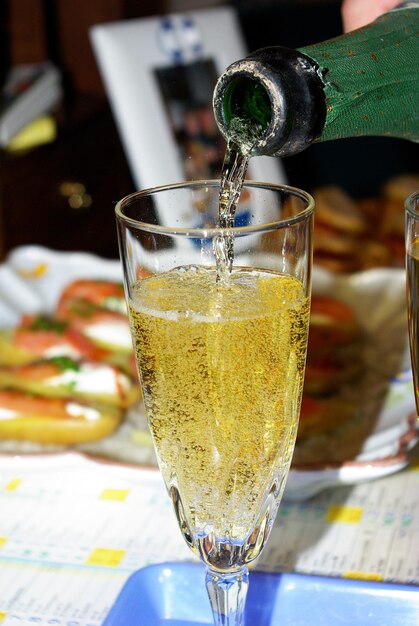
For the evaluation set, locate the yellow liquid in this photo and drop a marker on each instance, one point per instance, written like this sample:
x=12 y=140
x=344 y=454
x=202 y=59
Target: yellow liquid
x=412 y=268
x=222 y=370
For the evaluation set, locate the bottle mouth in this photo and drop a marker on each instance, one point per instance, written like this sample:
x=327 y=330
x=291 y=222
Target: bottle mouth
x=248 y=90
x=247 y=99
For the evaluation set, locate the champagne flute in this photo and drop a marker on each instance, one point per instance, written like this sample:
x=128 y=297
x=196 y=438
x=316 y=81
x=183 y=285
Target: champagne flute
x=221 y=359
x=412 y=284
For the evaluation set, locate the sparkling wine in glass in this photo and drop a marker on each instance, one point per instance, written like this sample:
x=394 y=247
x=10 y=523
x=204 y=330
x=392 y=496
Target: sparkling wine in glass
x=221 y=359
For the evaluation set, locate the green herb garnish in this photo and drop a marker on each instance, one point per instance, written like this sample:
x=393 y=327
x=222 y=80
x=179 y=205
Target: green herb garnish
x=83 y=308
x=65 y=363
x=47 y=323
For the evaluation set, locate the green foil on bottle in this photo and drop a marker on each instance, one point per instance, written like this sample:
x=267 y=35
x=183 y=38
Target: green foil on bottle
x=371 y=78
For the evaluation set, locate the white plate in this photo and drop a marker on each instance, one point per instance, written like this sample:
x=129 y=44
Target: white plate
x=373 y=445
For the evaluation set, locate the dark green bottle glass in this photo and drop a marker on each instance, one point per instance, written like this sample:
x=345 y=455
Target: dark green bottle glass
x=365 y=82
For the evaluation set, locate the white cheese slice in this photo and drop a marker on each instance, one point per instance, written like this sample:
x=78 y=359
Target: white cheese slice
x=92 y=379
x=115 y=334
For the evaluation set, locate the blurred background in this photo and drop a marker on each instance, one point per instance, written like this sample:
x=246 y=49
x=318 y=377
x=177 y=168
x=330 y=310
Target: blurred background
x=60 y=179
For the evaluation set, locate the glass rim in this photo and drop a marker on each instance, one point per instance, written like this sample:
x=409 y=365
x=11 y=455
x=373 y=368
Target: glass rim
x=410 y=203
x=202 y=233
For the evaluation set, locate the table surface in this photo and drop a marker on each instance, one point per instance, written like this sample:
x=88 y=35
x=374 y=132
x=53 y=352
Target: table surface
x=72 y=530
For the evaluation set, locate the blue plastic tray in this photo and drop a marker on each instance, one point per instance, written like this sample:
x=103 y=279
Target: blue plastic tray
x=174 y=594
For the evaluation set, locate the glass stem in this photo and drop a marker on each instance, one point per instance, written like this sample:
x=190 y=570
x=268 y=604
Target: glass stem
x=227 y=594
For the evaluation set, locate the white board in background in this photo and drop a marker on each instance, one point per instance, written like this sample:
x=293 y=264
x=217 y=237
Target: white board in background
x=137 y=58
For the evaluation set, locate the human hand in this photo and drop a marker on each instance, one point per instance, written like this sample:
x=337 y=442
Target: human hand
x=358 y=13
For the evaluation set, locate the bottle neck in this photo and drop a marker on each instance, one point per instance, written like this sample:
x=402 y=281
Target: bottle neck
x=361 y=83
x=369 y=77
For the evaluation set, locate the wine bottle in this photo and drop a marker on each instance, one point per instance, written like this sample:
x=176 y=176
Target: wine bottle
x=364 y=82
